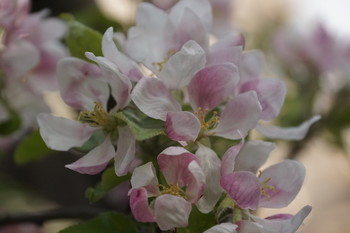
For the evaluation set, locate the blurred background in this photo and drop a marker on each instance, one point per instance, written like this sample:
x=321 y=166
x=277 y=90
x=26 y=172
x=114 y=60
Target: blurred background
x=305 y=42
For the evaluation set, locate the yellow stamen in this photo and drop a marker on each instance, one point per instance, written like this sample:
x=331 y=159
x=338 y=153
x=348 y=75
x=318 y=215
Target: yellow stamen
x=173 y=190
x=97 y=117
x=211 y=123
x=263 y=188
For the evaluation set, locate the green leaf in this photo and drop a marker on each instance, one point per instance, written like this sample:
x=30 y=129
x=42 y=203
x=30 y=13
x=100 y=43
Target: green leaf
x=109 y=222
x=198 y=222
x=12 y=124
x=109 y=180
x=81 y=38
x=142 y=129
x=31 y=148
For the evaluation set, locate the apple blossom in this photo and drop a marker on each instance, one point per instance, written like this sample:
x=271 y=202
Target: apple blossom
x=172 y=204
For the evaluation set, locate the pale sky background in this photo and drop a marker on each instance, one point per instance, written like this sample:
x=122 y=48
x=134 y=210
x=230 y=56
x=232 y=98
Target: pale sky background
x=334 y=13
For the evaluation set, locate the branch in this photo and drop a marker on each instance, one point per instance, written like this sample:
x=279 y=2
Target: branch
x=77 y=212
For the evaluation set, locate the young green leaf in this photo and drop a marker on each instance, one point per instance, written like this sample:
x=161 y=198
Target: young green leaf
x=139 y=129
x=81 y=38
x=31 y=148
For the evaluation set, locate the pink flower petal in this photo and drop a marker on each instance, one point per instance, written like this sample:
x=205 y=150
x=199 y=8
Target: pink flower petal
x=173 y=163
x=142 y=44
x=63 y=134
x=154 y=99
x=125 y=64
x=253 y=155
x=195 y=183
x=171 y=211
x=243 y=187
x=276 y=225
x=292 y=133
x=210 y=163
x=179 y=70
x=182 y=126
x=189 y=28
x=125 y=151
x=145 y=176
x=96 y=160
x=228 y=49
x=287 y=178
x=81 y=84
x=201 y=8
x=271 y=93
x=139 y=206
x=229 y=159
x=240 y=115
x=20 y=57
x=225 y=227
x=212 y=85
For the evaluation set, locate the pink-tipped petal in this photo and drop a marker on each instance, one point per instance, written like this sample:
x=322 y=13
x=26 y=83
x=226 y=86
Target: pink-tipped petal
x=171 y=212
x=139 y=205
x=81 y=84
x=243 y=187
x=253 y=155
x=289 y=225
x=179 y=70
x=154 y=99
x=287 y=178
x=96 y=160
x=271 y=93
x=292 y=133
x=63 y=134
x=225 y=227
x=229 y=159
x=210 y=163
x=173 y=163
x=145 y=176
x=240 y=115
x=125 y=151
x=212 y=85
x=194 y=184
x=125 y=64
x=182 y=126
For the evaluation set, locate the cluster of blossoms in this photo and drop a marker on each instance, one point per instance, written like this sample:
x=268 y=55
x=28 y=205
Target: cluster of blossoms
x=30 y=48
x=165 y=72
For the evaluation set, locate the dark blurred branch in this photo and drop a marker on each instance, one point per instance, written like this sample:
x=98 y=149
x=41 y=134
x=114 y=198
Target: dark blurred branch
x=73 y=212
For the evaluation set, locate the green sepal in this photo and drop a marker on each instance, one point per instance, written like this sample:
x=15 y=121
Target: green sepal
x=81 y=38
x=108 y=181
x=142 y=129
x=198 y=222
x=31 y=148
x=104 y=223
x=96 y=139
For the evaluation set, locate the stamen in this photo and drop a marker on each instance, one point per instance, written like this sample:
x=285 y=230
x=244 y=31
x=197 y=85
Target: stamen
x=263 y=187
x=97 y=117
x=212 y=123
x=172 y=190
